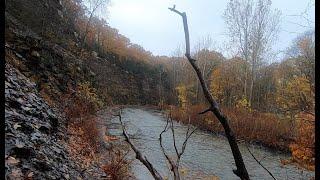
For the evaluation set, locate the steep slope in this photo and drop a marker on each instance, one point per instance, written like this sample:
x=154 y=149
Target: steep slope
x=53 y=68
x=39 y=73
x=34 y=134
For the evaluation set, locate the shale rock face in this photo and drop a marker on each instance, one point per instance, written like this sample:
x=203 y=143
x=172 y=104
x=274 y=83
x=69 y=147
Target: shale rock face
x=34 y=141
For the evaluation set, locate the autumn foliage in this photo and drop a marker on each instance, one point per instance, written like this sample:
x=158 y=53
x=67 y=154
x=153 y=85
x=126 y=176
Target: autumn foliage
x=81 y=102
x=262 y=128
x=303 y=148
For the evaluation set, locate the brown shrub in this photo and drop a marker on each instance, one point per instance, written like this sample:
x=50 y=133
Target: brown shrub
x=91 y=132
x=118 y=166
x=264 y=128
x=303 y=149
x=81 y=102
x=80 y=107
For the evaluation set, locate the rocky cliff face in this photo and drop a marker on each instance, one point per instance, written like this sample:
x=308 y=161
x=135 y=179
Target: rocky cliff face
x=34 y=134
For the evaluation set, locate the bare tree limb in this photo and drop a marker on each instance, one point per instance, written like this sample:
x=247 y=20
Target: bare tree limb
x=184 y=145
x=205 y=111
x=241 y=170
x=185 y=30
x=139 y=155
x=175 y=165
x=259 y=162
x=173 y=136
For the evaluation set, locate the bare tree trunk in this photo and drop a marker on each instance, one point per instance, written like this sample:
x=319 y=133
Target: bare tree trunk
x=197 y=92
x=251 y=91
x=245 y=83
x=160 y=90
x=241 y=170
x=252 y=80
x=99 y=43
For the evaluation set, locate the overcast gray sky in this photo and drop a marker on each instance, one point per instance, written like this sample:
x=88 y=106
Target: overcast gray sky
x=150 y=24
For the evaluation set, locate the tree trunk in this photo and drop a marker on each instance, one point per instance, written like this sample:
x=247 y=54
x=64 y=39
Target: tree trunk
x=245 y=83
x=252 y=82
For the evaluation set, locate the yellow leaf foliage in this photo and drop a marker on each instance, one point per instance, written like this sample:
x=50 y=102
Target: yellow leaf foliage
x=182 y=96
x=217 y=87
x=88 y=93
x=296 y=94
x=243 y=103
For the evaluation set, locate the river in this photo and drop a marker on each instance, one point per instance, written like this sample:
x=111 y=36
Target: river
x=206 y=154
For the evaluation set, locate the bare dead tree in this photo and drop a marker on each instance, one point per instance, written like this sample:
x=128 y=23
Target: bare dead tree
x=241 y=170
x=175 y=164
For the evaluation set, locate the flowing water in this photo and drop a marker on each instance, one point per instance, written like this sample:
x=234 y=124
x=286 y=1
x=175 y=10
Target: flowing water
x=206 y=154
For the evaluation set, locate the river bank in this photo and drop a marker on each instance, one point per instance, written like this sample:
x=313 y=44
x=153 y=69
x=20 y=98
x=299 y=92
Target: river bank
x=295 y=136
x=206 y=154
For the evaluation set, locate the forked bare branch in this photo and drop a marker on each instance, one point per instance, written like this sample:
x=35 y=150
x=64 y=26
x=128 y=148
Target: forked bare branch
x=175 y=165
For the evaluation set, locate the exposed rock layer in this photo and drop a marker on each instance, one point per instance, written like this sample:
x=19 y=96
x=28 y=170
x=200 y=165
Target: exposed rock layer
x=34 y=139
